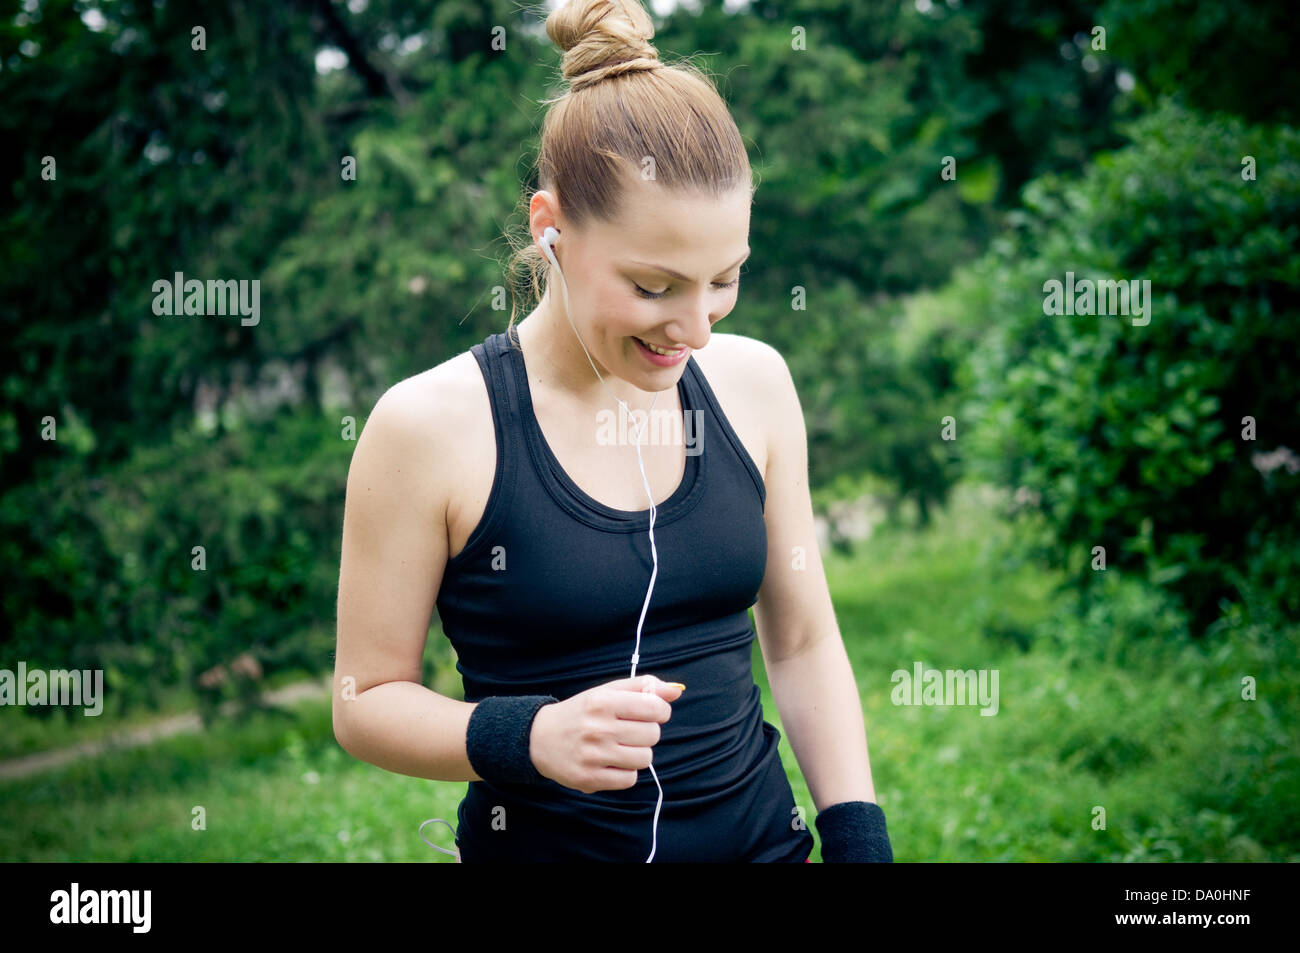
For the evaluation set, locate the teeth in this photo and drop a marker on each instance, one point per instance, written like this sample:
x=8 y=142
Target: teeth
x=659 y=350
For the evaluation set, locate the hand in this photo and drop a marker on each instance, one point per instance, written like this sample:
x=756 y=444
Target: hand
x=599 y=739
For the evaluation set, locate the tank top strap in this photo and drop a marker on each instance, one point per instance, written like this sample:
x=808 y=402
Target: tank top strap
x=500 y=386
x=702 y=398
x=509 y=441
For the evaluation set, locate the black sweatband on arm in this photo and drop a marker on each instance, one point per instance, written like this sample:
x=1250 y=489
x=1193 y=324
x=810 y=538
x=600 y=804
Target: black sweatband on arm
x=853 y=832
x=497 y=740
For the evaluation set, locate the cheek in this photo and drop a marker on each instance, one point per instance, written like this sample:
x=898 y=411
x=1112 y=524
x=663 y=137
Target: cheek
x=623 y=312
x=727 y=302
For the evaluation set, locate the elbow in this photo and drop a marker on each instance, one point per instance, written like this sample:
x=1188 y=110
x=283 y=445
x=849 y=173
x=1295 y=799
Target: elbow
x=340 y=728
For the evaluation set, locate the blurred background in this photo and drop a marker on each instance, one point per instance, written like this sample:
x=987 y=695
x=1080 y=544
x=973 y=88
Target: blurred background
x=1104 y=511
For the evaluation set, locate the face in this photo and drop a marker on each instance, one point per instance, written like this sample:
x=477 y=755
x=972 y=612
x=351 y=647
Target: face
x=622 y=289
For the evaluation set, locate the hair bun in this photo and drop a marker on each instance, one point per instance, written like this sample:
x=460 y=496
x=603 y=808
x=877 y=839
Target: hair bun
x=602 y=38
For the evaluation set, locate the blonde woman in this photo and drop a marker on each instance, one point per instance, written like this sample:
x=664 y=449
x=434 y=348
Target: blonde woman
x=504 y=487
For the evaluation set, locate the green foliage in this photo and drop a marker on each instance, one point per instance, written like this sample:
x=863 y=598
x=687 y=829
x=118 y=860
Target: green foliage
x=889 y=422
x=225 y=163
x=1185 y=768
x=120 y=584
x=1140 y=721
x=1130 y=437
x=1237 y=58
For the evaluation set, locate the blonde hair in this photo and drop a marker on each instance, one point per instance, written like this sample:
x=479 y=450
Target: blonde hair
x=623 y=105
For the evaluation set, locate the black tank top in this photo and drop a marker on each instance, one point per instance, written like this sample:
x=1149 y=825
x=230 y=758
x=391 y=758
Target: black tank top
x=545 y=599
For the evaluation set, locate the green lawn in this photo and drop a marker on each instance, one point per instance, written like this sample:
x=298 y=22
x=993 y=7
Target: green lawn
x=1154 y=734
x=21 y=734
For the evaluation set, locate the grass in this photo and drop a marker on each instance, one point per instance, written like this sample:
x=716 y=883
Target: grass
x=1148 y=754
x=23 y=734
x=1092 y=718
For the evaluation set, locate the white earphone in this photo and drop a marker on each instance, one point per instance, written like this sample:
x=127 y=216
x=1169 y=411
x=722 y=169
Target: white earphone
x=549 y=237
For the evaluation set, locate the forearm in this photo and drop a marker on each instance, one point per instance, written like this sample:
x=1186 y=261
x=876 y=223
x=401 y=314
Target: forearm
x=821 y=714
x=407 y=728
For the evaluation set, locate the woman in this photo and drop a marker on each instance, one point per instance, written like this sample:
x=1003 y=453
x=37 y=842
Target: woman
x=504 y=486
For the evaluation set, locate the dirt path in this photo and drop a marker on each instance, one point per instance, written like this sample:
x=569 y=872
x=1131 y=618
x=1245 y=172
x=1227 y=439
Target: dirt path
x=146 y=734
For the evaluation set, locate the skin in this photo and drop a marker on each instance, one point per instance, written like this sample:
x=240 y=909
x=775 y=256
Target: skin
x=703 y=239
x=402 y=483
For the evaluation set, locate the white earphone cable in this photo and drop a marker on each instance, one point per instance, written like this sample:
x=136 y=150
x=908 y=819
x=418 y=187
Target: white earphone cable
x=636 y=653
x=654 y=553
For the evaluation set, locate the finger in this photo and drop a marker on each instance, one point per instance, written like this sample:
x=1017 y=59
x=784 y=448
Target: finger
x=635 y=757
x=612 y=779
x=640 y=706
x=648 y=683
x=624 y=757
x=640 y=734
x=638 y=684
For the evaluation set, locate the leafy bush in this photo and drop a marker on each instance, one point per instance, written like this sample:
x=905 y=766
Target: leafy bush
x=869 y=406
x=106 y=573
x=1130 y=435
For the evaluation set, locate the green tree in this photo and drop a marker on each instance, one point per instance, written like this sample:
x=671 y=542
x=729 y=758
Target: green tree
x=1131 y=435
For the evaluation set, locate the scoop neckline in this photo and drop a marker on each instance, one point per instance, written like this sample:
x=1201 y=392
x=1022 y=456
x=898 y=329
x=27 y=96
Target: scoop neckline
x=580 y=503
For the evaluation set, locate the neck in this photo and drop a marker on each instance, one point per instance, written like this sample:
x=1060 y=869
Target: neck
x=554 y=356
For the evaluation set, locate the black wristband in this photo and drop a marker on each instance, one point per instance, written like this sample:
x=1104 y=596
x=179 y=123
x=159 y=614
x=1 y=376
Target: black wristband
x=853 y=832
x=497 y=741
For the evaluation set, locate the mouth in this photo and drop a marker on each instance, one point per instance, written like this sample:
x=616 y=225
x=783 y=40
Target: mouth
x=662 y=353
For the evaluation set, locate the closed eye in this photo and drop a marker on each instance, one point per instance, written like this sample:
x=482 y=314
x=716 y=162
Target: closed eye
x=659 y=294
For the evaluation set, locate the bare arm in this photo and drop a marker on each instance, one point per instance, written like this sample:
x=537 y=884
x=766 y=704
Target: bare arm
x=821 y=712
x=393 y=559
x=808 y=668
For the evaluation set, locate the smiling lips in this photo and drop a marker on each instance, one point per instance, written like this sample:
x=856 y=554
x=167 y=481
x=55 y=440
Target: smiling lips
x=659 y=350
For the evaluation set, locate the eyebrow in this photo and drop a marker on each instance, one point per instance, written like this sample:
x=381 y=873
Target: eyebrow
x=678 y=275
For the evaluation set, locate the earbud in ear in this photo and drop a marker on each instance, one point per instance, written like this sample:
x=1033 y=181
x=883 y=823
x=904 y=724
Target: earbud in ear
x=550 y=236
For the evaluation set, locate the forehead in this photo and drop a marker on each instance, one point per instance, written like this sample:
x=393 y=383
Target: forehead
x=676 y=226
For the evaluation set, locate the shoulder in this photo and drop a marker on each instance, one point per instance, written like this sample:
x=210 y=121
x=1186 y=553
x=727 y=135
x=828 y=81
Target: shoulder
x=757 y=394
x=752 y=368
x=739 y=353
x=431 y=403
x=412 y=430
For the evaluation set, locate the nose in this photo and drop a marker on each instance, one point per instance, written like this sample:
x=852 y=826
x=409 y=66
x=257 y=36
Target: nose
x=694 y=327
